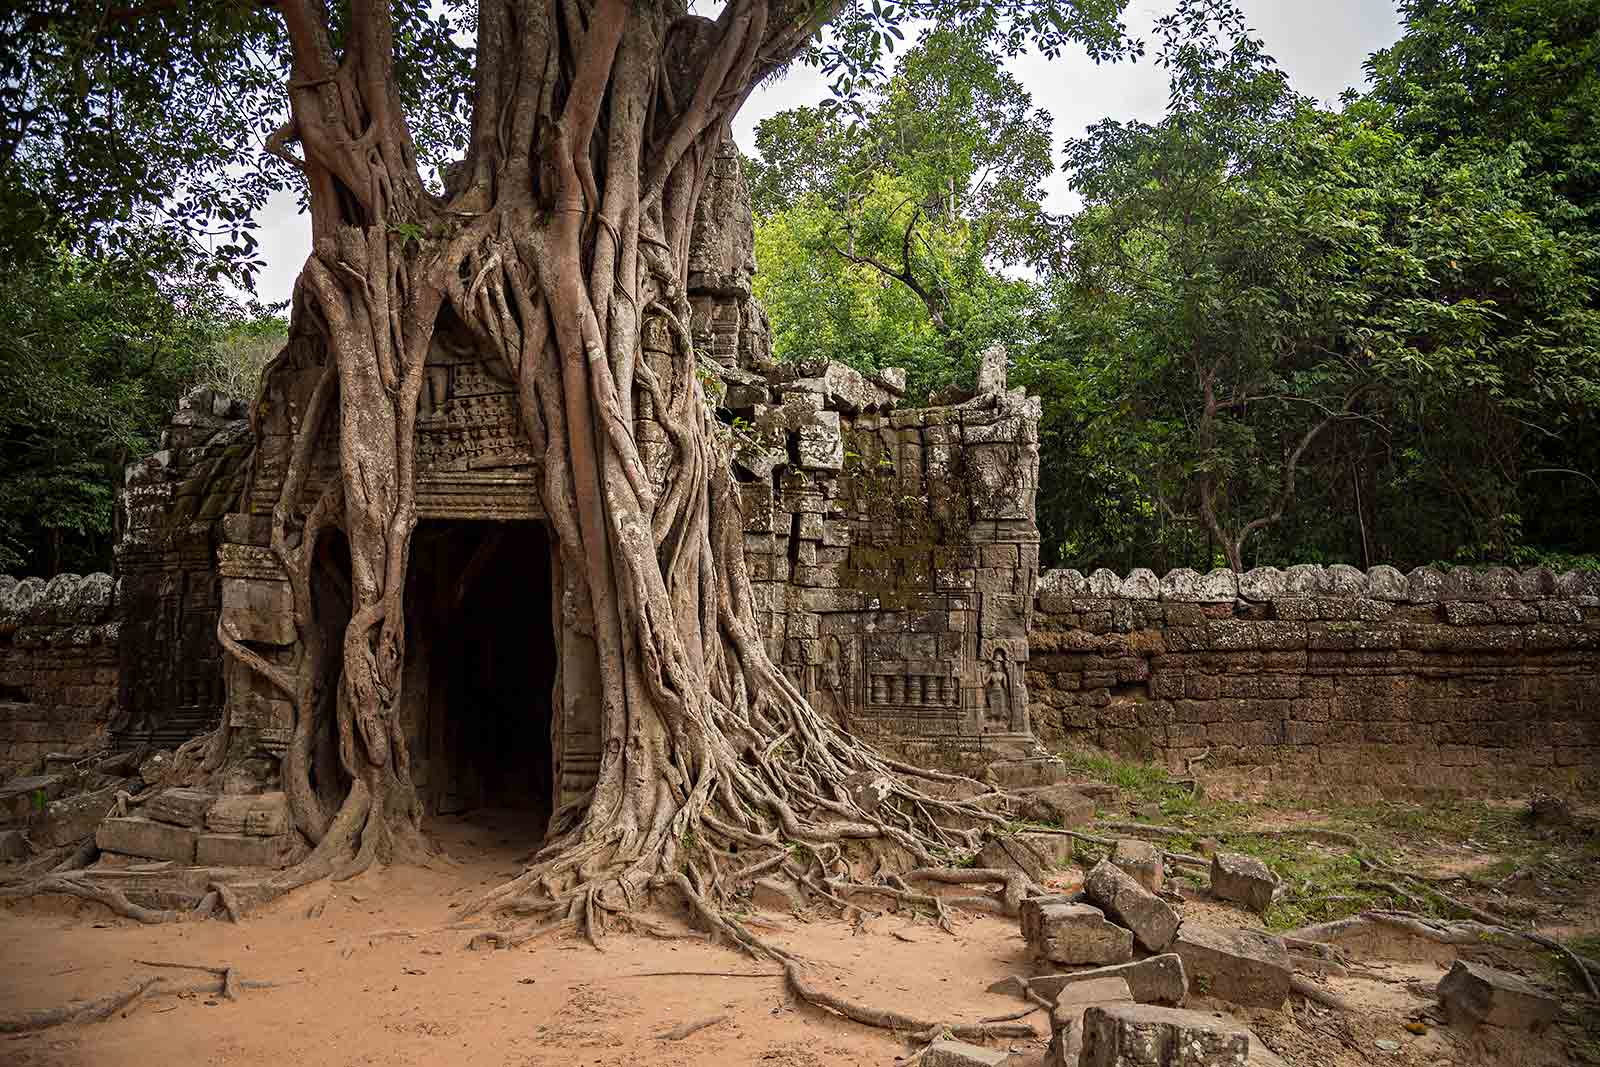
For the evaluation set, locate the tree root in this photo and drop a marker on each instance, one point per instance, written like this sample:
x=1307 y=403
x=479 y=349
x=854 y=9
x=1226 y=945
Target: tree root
x=521 y=935
x=921 y=1031
x=60 y=860
x=678 y=1033
x=1312 y=991
x=114 y=899
x=1394 y=891
x=103 y=1008
x=1453 y=934
x=741 y=938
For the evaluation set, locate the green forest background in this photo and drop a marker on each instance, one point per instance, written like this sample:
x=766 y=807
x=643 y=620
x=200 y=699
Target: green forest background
x=1275 y=332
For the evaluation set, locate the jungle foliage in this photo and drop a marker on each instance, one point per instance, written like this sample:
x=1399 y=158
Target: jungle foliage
x=1274 y=332
x=94 y=353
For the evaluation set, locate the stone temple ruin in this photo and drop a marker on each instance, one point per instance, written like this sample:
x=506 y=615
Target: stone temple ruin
x=894 y=557
x=893 y=554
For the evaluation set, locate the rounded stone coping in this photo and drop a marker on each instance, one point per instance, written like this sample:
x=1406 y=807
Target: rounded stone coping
x=1423 y=585
x=65 y=600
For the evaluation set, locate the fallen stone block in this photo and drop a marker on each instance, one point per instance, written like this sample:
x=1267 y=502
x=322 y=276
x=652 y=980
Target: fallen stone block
x=1142 y=1035
x=1009 y=852
x=244 y=850
x=1063 y=932
x=1153 y=921
x=256 y=814
x=1471 y=992
x=13 y=846
x=1066 y=1017
x=1055 y=848
x=1248 y=967
x=961 y=1054
x=180 y=807
x=1028 y=772
x=1141 y=860
x=1157 y=980
x=122 y=764
x=163 y=887
x=71 y=818
x=1060 y=805
x=777 y=894
x=1243 y=879
x=1093 y=991
x=147 y=838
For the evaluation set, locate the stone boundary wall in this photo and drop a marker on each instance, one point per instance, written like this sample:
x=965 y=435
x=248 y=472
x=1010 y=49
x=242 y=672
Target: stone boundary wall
x=58 y=666
x=1435 y=680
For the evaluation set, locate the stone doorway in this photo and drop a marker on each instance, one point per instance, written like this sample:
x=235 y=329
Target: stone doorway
x=481 y=667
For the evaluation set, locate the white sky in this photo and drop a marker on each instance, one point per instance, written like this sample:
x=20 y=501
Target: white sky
x=1320 y=44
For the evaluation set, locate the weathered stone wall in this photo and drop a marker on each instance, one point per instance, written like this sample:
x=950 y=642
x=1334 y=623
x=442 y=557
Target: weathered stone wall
x=169 y=590
x=1455 y=680
x=893 y=552
x=58 y=667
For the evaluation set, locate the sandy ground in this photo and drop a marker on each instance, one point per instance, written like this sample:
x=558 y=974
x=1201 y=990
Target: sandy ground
x=375 y=978
x=356 y=992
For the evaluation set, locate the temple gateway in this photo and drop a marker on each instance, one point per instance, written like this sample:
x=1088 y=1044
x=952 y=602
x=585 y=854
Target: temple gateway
x=892 y=550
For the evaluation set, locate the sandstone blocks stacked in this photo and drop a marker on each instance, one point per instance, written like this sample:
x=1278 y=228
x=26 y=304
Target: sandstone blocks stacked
x=58 y=666
x=189 y=826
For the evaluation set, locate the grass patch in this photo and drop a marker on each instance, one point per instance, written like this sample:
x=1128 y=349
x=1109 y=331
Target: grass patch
x=1326 y=881
x=1147 y=781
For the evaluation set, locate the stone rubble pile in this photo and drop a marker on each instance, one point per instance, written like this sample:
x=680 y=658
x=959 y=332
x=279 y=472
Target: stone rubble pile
x=1129 y=962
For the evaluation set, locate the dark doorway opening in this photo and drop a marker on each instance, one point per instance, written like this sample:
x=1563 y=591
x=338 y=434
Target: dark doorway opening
x=481 y=663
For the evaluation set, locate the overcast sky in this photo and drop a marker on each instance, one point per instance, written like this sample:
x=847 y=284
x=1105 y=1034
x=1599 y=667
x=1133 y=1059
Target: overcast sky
x=1320 y=44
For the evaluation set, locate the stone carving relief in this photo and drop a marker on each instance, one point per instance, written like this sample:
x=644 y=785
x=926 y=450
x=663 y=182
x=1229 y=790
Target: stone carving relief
x=467 y=418
x=997 y=693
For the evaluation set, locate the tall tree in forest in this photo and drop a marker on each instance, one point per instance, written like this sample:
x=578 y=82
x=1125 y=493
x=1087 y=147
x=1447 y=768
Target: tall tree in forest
x=1266 y=293
x=895 y=223
x=558 y=235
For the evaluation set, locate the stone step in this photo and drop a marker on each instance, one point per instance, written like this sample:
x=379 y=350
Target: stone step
x=174 y=730
x=152 y=839
x=164 y=885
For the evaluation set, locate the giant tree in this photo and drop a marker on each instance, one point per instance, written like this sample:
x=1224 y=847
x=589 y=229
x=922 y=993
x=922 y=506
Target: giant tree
x=555 y=237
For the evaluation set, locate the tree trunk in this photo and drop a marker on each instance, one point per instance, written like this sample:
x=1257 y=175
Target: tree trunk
x=560 y=239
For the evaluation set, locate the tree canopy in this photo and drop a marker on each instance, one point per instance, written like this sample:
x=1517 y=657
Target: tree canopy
x=1274 y=331
x=886 y=231
x=94 y=354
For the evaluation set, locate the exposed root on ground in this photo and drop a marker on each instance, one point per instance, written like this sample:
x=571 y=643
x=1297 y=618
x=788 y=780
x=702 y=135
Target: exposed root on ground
x=224 y=982
x=921 y=1031
x=66 y=885
x=1311 y=991
x=678 y=1033
x=1453 y=933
